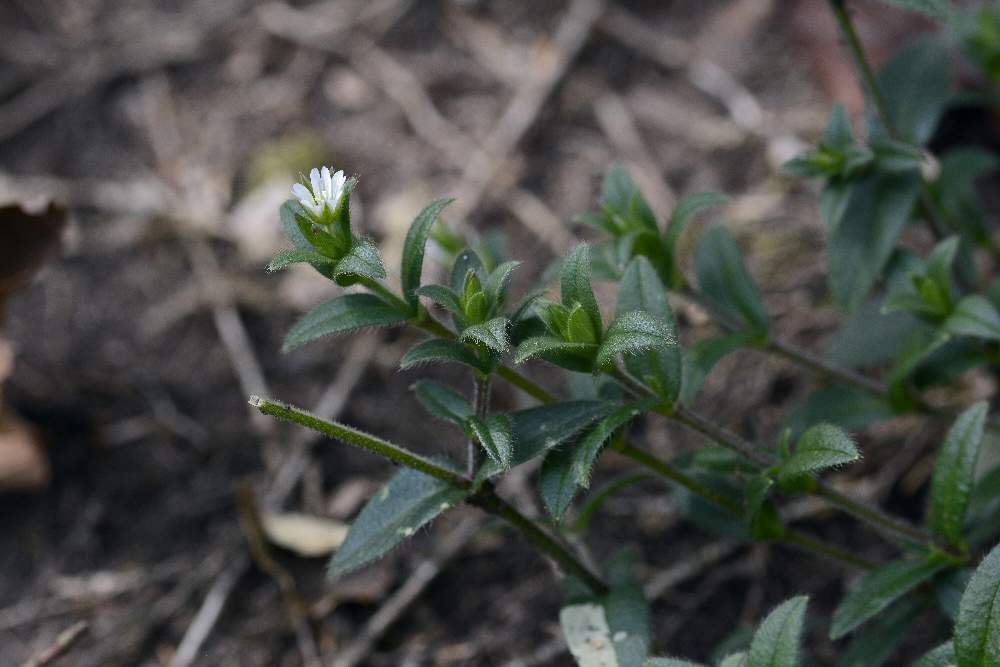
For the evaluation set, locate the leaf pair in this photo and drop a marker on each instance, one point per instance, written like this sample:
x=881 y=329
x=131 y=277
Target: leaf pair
x=494 y=433
x=576 y=338
x=627 y=218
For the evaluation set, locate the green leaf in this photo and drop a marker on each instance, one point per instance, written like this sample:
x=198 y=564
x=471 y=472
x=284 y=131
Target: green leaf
x=498 y=282
x=588 y=449
x=846 y=407
x=699 y=360
x=870 y=337
x=537 y=430
x=686 y=210
x=575 y=285
x=306 y=235
x=620 y=196
x=640 y=289
x=495 y=437
x=596 y=499
x=492 y=334
x=916 y=85
x=936 y=9
x=441 y=350
x=974 y=316
x=442 y=296
x=876 y=643
x=579 y=328
x=670 y=662
x=734 y=660
x=413 y=248
x=941 y=656
x=755 y=502
x=466 y=261
x=724 y=279
x=408 y=502
x=838 y=132
x=556 y=481
x=613 y=630
x=977 y=631
x=575 y=356
x=776 y=642
x=878 y=589
x=632 y=333
x=821 y=446
x=361 y=260
x=877 y=207
x=348 y=312
x=443 y=402
x=954 y=474
x=289 y=257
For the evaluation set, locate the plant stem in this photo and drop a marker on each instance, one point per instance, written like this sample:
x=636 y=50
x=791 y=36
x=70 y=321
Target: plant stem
x=824 y=368
x=719 y=435
x=791 y=536
x=795 y=354
x=664 y=469
x=830 y=551
x=384 y=292
x=481 y=406
x=489 y=501
x=353 y=436
x=865 y=71
x=486 y=498
x=870 y=515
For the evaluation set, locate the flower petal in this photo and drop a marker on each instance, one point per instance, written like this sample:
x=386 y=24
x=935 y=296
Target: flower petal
x=315 y=180
x=302 y=193
x=327 y=185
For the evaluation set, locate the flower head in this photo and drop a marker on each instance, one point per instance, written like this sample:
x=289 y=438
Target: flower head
x=326 y=194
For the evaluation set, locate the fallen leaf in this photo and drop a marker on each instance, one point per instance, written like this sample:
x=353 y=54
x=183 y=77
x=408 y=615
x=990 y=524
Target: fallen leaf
x=306 y=535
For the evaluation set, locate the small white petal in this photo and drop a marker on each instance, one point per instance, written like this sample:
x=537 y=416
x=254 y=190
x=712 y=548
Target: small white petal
x=327 y=185
x=316 y=185
x=302 y=193
x=339 y=183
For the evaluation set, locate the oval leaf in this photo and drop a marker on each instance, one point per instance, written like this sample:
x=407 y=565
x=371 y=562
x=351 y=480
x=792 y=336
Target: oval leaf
x=631 y=333
x=413 y=248
x=954 y=474
x=348 y=312
x=586 y=452
x=724 y=279
x=977 y=631
x=880 y=588
x=409 y=501
x=776 y=642
x=443 y=402
x=575 y=285
x=440 y=350
x=821 y=446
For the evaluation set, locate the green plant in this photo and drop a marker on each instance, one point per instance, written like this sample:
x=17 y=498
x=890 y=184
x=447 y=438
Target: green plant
x=942 y=307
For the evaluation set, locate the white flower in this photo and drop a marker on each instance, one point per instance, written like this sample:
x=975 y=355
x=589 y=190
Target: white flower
x=327 y=191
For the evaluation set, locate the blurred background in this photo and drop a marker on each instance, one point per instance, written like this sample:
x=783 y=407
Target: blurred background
x=140 y=496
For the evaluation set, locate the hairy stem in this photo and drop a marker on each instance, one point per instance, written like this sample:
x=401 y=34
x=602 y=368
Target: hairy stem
x=489 y=501
x=481 y=406
x=871 y=515
x=353 y=436
x=813 y=545
x=790 y=536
